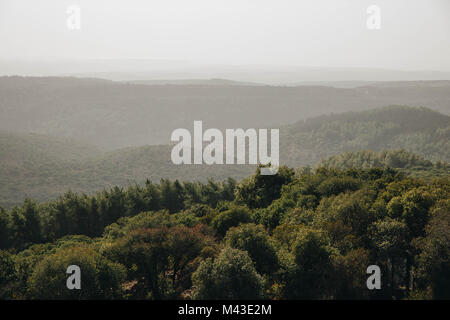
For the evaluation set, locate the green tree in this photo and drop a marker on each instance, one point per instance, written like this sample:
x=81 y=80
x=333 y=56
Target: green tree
x=434 y=257
x=7 y=275
x=230 y=218
x=144 y=253
x=100 y=278
x=253 y=239
x=390 y=238
x=349 y=275
x=4 y=229
x=172 y=195
x=230 y=276
x=416 y=204
x=259 y=190
x=24 y=225
x=183 y=246
x=311 y=276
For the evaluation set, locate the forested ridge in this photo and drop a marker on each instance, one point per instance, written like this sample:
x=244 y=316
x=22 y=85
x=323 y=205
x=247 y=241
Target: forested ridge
x=224 y=159
x=359 y=189
x=402 y=160
x=308 y=234
x=418 y=130
x=115 y=115
x=42 y=167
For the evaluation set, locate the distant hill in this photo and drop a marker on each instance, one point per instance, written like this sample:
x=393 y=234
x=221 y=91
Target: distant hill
x=114 y=115
x=145 y=69
x=17 y=147
x=418 y=130
x=43 y=167
x=416 y=84
x=381 y=84
x=407 y=162
x=196 y=82
x=39 y=166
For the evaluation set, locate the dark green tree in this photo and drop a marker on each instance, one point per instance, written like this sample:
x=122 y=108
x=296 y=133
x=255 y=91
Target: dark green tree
x=230 y=276
x=253 y=239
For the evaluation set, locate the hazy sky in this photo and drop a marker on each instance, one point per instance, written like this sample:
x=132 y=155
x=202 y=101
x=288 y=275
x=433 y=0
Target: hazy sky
x=414 y=34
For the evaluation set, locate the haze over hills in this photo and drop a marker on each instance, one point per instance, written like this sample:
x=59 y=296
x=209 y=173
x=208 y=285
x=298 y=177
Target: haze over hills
x=113 y=115
x=44 y=175
x=283 y=75
x=386 y=84
x=43 y=167
x=196 y=82
x=168 y=69
x=91 y=93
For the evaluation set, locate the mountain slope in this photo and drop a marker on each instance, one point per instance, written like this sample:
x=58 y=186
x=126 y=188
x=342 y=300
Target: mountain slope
x=405 y=161
x=45 y=173
x=418 y=130
x=43 y=167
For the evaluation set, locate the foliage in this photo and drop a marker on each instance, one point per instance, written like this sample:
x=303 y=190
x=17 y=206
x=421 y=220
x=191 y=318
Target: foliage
x=230 y=218
x=254 y=239
x=39 y=166
x=313 y=238
x=101 y=278
x=230 y=276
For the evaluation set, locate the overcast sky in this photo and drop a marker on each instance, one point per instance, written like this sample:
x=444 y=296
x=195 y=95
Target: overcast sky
x=414 y=34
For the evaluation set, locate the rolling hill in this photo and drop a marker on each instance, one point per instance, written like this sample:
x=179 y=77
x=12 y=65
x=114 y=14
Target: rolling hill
x=42 y=167
x=43 y=172
x=404 y=161
x=418 y=130
x=195 y=82
x=114 y=115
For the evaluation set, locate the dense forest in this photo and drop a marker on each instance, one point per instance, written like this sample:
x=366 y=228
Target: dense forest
x=418 y=130
x=304 y=234
x=406 y=162
x=42 y=167
x=206 y=159
x=357 y=188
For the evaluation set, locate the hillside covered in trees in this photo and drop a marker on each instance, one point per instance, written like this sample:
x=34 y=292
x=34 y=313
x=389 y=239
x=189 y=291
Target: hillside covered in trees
x=355 y=189
x=418 y=130
x=406 y=162
x=115 y=115
x=308 y=235
x=42 y=167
